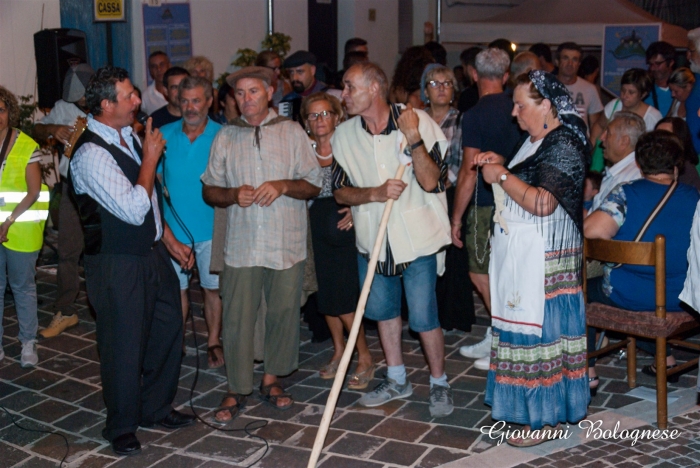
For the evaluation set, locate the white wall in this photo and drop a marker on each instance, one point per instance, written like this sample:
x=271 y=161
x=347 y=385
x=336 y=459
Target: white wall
x=19 y=20
x=382 y=35
x=221 y=27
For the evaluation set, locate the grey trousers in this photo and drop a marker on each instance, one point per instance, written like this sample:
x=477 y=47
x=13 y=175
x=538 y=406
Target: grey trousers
x=240 y=293
x=70 y=246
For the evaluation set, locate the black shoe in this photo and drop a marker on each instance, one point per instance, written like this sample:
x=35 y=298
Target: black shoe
x=175 y=420
x=126 y=444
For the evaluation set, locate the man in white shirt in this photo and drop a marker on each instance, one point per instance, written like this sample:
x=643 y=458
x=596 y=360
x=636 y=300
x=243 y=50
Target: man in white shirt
x=154 y=97
x=619 y=140
x=584 y=94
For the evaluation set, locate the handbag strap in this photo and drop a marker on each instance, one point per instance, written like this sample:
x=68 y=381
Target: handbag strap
x=656 y=210
x=650 y=219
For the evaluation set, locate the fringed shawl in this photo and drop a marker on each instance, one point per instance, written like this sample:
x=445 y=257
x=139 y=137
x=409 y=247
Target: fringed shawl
x=558 y=166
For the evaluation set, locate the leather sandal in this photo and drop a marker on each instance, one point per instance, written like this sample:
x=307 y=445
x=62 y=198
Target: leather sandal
x=271 y=400
x=360 y=381
x=233 y=410
x=651 y=370
x=329 y=370
x=545 y=432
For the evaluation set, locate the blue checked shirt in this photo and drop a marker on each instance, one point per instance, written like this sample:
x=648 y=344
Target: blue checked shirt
x=98 y=175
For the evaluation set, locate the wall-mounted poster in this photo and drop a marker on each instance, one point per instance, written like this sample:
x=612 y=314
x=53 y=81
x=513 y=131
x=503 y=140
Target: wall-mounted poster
x=624 y=47
x=168 y=28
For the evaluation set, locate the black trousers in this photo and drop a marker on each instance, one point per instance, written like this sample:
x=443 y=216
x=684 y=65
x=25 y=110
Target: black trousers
x=139 y=335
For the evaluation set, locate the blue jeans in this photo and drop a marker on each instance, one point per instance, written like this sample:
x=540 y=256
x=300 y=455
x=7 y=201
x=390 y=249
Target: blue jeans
x=19 y=268
x=384 y=302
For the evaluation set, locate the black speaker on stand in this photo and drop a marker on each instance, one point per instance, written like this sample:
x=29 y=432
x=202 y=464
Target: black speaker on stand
x=56 y=50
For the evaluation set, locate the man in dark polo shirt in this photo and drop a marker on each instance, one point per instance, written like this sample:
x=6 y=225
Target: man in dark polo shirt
x=170 y=112
x=488 y=126
x=130 y=280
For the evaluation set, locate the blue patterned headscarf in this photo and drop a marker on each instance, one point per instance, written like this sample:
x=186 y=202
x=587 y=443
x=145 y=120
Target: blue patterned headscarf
x=430 y=66
x=551 y=88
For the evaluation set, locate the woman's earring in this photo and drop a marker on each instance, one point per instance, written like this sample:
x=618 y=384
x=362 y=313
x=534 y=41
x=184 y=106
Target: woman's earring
x=545 y=122
x=308 y=130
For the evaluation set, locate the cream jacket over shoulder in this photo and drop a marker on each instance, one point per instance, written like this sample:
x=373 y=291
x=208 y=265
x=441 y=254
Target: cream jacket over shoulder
x=418 y=224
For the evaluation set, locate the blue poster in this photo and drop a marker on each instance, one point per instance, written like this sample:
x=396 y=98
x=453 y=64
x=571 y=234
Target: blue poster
x=168 y=28
x=625 y=47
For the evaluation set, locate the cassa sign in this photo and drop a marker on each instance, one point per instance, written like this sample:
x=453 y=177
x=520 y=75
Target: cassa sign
x=109 y=10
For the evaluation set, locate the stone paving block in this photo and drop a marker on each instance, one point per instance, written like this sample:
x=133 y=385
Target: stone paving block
x=356 y=445
x=12 y=371
x=63 y=363
x=38 y=379
x=94 y=401
x=469 y=418
x=304 y=393
x=11 y=455
x=7 y=389
x=89 y=353
x=345 y=399
x=287 y=457
x=618 y=401
x=89 y=373
x=94 y=461
x=469 y=383
x=205 y=381
x=70 y=390
x=399 y=453
x=684 y=461
x=357 y=422
x=79 y=421
x=49 y=410
x=66 y=343
x=53 y=446
x=182 y=438
x=342 y=462
x=224 y=449
x=415 y=411
x=438 y=457
x=277 y=431
x=307 y=436
x=408 y=431
x=312 y=414
x=387 y=409
x=38 y=462
x=447 y=436
x=18 y=401
x=267 y=412
x=149 y=455
x=179 y=461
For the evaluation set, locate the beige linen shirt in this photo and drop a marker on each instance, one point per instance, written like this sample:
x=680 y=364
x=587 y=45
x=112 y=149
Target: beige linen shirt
x=273 y=236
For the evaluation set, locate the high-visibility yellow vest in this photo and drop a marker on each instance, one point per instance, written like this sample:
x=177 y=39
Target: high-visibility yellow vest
x=27 y=232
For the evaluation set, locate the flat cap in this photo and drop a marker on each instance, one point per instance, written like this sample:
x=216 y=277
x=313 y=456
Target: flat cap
x=261 y=73
x=298 y=58
x=77 y=79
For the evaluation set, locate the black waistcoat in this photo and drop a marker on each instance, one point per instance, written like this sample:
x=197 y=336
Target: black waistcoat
x=104 y=232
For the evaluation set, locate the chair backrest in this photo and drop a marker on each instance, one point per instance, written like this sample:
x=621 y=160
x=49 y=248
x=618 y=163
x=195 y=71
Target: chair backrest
x=632 y=253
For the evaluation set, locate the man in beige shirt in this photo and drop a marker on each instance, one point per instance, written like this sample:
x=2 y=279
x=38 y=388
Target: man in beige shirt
x=262 y=169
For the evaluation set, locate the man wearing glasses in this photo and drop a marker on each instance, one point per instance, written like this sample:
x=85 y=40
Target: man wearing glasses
x=661 y=60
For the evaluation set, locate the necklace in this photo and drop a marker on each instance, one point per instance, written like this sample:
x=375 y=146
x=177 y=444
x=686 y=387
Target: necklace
x=322 y=158
x=479 y=259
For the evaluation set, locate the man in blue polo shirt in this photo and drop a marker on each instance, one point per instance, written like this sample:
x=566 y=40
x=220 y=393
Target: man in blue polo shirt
x=191 y=219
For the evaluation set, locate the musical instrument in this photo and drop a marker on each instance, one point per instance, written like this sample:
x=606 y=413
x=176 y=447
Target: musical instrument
x=79 y=127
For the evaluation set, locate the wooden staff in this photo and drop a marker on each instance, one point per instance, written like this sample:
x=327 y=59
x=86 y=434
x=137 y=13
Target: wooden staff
x=352 y=338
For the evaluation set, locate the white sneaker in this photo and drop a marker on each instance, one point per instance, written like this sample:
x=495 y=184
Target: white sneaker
x=479 y=350
x=29 y=357
x=483 y=363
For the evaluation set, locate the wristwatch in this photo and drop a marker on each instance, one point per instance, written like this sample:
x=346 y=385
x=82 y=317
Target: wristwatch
x=503 y=178
x=10 y=218
x=410 y=148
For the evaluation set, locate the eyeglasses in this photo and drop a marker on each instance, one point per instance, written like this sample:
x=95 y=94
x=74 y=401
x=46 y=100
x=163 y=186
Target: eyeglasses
x=274 y=68
x=325 y=114
x=442 y=84
x=658 y=63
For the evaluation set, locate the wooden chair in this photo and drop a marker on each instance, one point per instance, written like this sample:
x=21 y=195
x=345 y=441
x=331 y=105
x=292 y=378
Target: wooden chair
x=655 y=325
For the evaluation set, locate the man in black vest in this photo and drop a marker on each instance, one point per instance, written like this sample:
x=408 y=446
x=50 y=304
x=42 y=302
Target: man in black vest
x=131 y=282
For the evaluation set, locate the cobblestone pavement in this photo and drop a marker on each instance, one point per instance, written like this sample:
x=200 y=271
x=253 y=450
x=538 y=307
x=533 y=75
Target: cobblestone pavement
x=63 y=394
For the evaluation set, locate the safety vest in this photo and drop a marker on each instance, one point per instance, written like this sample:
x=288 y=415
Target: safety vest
x=27 y=232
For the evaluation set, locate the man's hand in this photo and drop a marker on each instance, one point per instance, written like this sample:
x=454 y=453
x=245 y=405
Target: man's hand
x=182 y=254
x=153 y=144
x=268 y=192
x=391 y=189
x=246 y=196
x=345 y=224
x=4 y=228
x=63 y=133
x=408 y=124
x=457 y=234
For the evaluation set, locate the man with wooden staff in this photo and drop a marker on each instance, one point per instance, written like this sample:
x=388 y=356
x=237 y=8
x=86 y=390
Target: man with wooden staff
x=365 y=150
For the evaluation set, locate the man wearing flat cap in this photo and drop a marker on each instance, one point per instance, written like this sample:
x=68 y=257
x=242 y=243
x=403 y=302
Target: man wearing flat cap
x=301 y=67
x=59 y=124
x=261 y=168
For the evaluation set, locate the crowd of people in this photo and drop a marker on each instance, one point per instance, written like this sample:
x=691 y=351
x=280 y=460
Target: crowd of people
x=276 y=180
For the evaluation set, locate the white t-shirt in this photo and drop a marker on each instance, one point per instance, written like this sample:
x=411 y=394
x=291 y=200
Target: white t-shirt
x=624 y=170
x=651 y=116
x=585 y=97
x=152 y=100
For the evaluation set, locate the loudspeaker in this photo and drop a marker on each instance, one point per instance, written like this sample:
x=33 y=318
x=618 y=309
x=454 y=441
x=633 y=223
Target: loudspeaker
x=55 y=51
